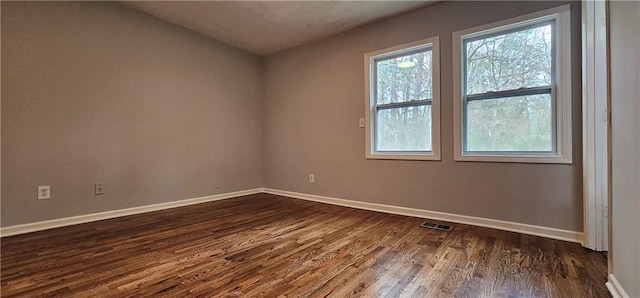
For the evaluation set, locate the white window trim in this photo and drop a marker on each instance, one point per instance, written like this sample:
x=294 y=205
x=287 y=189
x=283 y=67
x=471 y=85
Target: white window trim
x=370 y=152
x=562 y=92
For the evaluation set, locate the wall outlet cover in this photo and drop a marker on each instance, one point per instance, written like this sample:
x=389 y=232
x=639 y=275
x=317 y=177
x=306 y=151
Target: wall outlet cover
x=44 y=192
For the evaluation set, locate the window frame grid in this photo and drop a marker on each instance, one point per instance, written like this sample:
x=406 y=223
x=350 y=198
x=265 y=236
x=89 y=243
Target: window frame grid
x=511 y=93
x=372 y=107
x=559 y=90
x=399 y=105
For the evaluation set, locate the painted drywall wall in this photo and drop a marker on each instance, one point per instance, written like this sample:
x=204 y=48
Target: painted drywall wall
x=624 y=18
x=94 y=91
x=314 y=95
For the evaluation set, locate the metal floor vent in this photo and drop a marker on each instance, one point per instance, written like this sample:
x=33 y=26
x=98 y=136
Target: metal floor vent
x=436 y=226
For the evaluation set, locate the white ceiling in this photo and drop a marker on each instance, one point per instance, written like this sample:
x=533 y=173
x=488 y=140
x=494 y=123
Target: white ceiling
x=264 y=27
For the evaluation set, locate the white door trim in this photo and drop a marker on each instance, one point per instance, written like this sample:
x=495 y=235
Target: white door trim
x=595 y=115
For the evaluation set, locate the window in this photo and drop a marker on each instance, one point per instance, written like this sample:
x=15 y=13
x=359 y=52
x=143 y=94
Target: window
x=512 y=90
x=403 y=102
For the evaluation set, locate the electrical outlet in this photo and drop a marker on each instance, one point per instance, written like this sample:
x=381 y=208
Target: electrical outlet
x=98 y=188
x=361 y=122
x=44 y=192
x=312 y=178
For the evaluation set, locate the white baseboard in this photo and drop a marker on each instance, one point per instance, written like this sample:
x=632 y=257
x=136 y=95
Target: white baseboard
x=615 y=288
x=553 y=233
x=74 y=220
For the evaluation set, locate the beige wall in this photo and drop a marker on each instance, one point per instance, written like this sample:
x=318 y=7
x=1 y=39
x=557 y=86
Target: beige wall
x=625 y=149
x=100 y=92
x=314 y=95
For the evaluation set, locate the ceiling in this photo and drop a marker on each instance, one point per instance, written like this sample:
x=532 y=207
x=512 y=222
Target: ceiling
x=264 y=27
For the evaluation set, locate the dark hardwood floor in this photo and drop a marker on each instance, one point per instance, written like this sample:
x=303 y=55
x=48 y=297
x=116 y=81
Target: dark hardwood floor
x=266 y=245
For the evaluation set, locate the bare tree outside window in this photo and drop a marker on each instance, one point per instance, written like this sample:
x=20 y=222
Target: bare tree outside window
x=403 y=86
x=508 y=79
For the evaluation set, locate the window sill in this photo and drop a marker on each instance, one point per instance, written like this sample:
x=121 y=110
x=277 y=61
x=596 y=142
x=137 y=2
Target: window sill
x=549 y=159
x=403 y=156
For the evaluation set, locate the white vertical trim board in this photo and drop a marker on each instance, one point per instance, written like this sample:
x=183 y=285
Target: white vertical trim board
x=74 y=220
x=595 y=123
x=553 y=233
x=615 y=288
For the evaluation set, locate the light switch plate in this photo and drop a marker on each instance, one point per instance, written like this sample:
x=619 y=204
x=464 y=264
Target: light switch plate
x=98 y=188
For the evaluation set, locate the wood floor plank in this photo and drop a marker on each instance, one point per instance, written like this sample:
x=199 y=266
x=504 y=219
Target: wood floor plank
x=267 y=245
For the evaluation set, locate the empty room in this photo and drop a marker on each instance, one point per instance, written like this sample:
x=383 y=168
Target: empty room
x=320 y=149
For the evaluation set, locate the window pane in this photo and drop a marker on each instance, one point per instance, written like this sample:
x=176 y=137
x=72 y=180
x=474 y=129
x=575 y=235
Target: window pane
x=404 y=78
x=509 y=61
x=404 y=129
x=521 y=123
